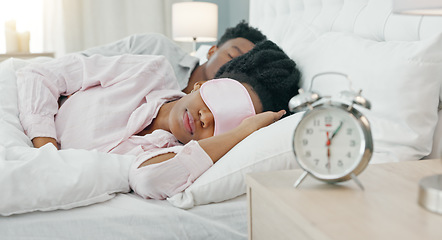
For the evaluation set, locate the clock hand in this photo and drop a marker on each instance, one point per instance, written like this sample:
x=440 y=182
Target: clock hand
x=327 y=144
x=328 y=140
x=336 y=131
x=328 y=159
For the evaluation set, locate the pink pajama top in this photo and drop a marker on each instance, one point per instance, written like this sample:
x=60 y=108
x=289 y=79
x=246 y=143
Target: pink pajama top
x=111 y=99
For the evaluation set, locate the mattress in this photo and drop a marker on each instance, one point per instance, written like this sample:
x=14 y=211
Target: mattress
x=127 y=216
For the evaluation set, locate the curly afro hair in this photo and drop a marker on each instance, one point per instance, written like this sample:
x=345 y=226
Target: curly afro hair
x=271 y=73
x=242 y=30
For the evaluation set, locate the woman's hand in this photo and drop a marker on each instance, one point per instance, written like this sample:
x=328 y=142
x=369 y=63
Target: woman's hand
x=219 y=145
x=260 y=120
x=41 y=141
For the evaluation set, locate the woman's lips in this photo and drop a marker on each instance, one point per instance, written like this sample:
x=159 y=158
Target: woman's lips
x=188 y=122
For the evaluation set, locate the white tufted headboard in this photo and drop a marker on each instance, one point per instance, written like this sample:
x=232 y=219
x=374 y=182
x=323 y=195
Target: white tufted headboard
x=369 y=19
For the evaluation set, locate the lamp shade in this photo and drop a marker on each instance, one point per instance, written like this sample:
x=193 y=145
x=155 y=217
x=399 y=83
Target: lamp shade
x=195 y=21
x=418 y=7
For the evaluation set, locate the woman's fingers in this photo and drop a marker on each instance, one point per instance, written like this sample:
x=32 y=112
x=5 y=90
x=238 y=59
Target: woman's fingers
x=280 y=114
x=41 y=141
x=263 y=119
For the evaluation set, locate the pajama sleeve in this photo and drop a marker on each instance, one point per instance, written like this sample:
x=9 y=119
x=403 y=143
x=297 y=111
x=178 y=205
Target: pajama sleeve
x=165 y=179
x=40 y=85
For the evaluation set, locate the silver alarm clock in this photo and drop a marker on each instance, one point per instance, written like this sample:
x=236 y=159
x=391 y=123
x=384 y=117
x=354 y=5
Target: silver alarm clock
x=333 y=140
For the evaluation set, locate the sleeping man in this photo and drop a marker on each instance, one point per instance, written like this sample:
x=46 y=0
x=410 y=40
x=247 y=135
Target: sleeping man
x=233 y=43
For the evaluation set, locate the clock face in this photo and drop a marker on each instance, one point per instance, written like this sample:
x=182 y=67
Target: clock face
x=329 y=143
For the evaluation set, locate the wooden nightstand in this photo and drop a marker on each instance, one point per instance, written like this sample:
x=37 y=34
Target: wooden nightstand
x=387 y=209
x=24 y=55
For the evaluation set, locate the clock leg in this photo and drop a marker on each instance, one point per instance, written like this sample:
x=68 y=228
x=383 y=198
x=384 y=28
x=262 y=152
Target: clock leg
x=300 y=179
x=353 y=176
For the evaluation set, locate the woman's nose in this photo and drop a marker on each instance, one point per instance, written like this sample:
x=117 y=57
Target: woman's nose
x=206 y=118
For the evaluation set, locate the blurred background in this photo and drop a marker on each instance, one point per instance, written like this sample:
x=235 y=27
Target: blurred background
x=65 y=26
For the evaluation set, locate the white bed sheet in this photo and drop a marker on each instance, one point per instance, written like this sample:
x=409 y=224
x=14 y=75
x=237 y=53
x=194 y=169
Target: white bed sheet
x=127 y=216
x=45 y=179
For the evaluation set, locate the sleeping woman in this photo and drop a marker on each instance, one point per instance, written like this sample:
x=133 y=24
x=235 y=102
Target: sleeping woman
x=132 y=104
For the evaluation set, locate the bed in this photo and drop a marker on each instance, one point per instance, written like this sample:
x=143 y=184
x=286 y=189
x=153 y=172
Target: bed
x=75 y=194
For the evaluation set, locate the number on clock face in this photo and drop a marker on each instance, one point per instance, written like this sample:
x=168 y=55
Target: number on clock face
x=327 y=142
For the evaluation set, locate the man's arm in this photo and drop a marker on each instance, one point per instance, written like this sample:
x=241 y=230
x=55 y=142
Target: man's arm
x=151 y=44
x=139 y=44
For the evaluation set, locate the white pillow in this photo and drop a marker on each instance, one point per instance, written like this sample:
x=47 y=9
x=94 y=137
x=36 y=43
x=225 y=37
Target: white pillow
x=436 y=152
x=45 y=179
x=268 y=149
x=397 y=77
x=201 y=53
x=401 y=79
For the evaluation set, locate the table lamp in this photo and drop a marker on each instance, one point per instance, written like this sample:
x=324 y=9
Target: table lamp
x=194 y=22
x=430 y=187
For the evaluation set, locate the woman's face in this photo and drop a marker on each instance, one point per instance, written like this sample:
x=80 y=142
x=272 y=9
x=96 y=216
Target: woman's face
x=191 y=119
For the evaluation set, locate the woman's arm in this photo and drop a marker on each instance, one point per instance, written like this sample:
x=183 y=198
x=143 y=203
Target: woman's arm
x=217 y=146
x=41 y=85
x=41 y=141
x=173 y=171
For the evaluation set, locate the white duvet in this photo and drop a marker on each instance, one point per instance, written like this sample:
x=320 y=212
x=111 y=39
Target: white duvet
x=47 y=179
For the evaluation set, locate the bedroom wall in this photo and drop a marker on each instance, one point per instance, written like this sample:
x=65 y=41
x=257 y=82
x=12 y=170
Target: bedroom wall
x=73 y=25
x=93 y=23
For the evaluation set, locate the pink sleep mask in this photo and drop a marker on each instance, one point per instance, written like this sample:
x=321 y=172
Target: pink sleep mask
x=229 y=101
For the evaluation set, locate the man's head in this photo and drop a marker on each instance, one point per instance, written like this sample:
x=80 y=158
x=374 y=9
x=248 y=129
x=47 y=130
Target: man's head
x=269 y=71
x=242 y=30
x=233 y=43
